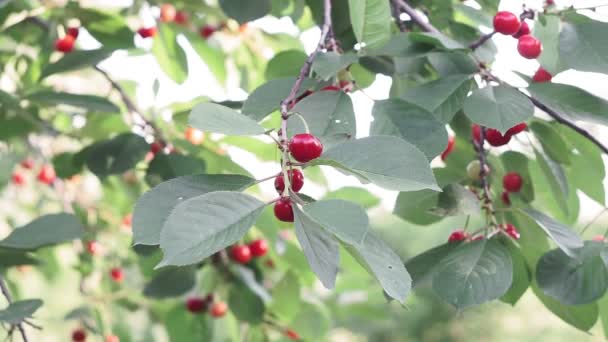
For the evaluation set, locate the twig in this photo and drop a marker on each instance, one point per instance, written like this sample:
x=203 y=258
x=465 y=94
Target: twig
x=479 y=42
x=483 y=174
x=9 y=299
x=416 y=18
x=396 y=9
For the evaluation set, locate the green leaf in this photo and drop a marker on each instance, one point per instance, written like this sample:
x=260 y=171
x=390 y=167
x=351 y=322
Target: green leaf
x=360 y=196
x=246 y=305
x=153 y=208
x=455 y=200
x=400 y=166
x=7 y=164
x=521 y=274
x=171 y=282
x=423 y=266
x=110 y=29
x=436 y=39
x=10 y=258
x=400 y=46
x=564 y=237
x=475 y=272
x=320 y=247
x=443 y=97
x=286 y=297
x=168 y=166
x=603 y=311
x=582 y=317
x=346 y=220
x=329 y=115
x=371 y=21
x=285 y=64
x=244 y=11
x=552 y=142
x=76 y=60
x=19 y=311
x=499 y=107
x=414 y=124
x=88 y=102
x=452 y=63
x=574 y=281
x=328 y=64
x=385 y=265
x=312 y=322
x=211 y=117
x=182 y=325
x=44 y=231
x=169 y=54
x=116 y=155
x=64 y=165
x=583 y=46
x=266 y=98
x=572 y=102
x=556 y=177
x=548 y=33
x=206 y=224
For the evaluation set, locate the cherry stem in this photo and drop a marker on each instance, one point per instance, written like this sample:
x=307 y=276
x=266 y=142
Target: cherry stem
x=593 y=220
x=258 y=181
x=479 y=42
x=299 y=116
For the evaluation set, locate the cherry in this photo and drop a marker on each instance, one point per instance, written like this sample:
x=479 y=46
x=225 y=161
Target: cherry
x=147 y=32
x=117 y=274
x=258 y=247
x=529 y=47
x=18 y=179
x=512 y=182
x=474 y=170
x=167 y=13
x=476 y=133
x=506 y=23
x=194 y=136
x=283 y=210
x=505 y=198
x=520 y=127
x=523 y=30
x=79 y=335
x=156 y=147
x=181 y=17
x=196 y=304
x=458 y=235
x=550 y=2
x=296 y=180
x=511 y=231
x=449 y=148
x=292 y=335
x=73 y=31
x=305 y=147
x=93 y=247
x=541 y=75
x=207 y=31
x=27 y=164
x=47 y=175
x=112 y=338
x=599 y=238
x=331 y=88
x=65 y=44
x=495 y=138
x=346 y=86
x=218 y=309
x=240 y=254
x=127 y=221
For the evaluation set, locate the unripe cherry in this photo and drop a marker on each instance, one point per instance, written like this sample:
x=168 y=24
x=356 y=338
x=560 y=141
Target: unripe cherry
x=196 y=304
x=529 y=47
x=218 y=309
x=258 y=247
x=449 y=148
x=305 y=147
x=506 y=23
x=283 y=210
x=474 y=170
x=541 y=75
x=240 y=254
x=65 y=44
x=296 y=180
x=194 y=136
x=512 y=182
x=458 y=235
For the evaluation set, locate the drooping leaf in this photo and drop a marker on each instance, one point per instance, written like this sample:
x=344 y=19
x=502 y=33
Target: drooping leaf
x=44 y=231
x=116 y=155
x=552 y=142
x=171 y=282
x=582 y=317
x=76 y=60
x=88 y=102
x=169 y=54
x=564 y=237
x=582 y=46
x=556 y=178
x=371 y=21
x=18 y=311
x=345 y=219
x=423 y=266
x=211 y=117
x=267 y=98
x=168 y=166
x=548 y=33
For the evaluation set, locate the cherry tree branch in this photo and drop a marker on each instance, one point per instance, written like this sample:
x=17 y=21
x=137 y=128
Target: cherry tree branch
x=416 y=18
x=479 y=42
x=9 y=299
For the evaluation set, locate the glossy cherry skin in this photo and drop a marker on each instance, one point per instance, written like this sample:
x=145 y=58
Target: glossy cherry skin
x=73 y=31
x=541 y=75
x=147 y=32
x=46 y=175
x=512 y=182
x=520 y=127
x=167 y=13
x=207 y=31
x=79 y=335
x=495 y=138
x=512 y=231
x=506 y=23
x=117 y=274
x=65 y=44
x=18 y=179
x=458 y=235
x=240 y=254
x=283 y=210
x=296 y=179
x=218 y=309
x=305 y=147
x=196 y=304
x=523 y=30
x=505 y=198
x=529 y=47
x=449 y=148
x=258 y=247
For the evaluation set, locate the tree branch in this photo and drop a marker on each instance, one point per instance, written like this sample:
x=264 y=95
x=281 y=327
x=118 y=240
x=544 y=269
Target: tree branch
x=9 y=299
x=416 y=18
x=479 y=42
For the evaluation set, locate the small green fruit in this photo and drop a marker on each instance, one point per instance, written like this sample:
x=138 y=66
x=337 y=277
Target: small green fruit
x=474 y=168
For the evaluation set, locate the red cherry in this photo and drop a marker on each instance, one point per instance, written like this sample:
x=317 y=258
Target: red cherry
x=283 y=210
x=79 y=335
x=506 y=23
x=449 y=148
x=196 y=304
x=523 y=30
x=47 y=175
x=476 y=133
x=167 y=13
x=346 y=86
x=520 y=127
x=117 y=274
x=18 y=179
x=207 y=31
x=511 y=231
x=599 y=238
x=181 y=17
x=112 y=338
x=550 y=2
x=512 y=182
x=218 y=309
x=147 y=32
x=65 y=44
x=240 y=254
x=93 y=247
x=495 y=138
x=458 y=235
x=292 y=335
x=258 y=247
x=296 y=179
x=505 y=198
x=156 y=147
x=542 y=75
x=529 y=47
x=27 y=164
x=127 y=221
x=305 y=147
x=331 y=88
x=73 y=31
